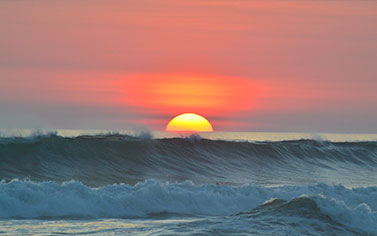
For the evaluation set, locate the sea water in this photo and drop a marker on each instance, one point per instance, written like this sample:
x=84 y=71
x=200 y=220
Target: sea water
x=97 y=183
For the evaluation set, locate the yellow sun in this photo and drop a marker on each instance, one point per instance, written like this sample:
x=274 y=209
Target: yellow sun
x=189 y=122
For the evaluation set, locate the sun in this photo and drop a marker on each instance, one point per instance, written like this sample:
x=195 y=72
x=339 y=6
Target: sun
x=189 y=122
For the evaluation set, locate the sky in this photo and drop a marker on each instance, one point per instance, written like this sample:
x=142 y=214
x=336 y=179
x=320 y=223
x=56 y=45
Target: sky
x=245 y=65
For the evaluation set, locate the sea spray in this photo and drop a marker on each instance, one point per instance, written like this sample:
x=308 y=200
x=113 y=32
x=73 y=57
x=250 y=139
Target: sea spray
x=73 y=200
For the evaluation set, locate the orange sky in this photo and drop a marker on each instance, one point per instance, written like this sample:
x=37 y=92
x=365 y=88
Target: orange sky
x=245 y=65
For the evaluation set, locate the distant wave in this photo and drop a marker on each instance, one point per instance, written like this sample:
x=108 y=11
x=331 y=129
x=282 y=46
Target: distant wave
x=354 y=208
x=105 y=159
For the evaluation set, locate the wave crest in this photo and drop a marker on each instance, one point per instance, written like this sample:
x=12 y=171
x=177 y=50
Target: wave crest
x=105 y=159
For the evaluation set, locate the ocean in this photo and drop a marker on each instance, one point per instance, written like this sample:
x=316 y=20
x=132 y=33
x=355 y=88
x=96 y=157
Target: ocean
x=72 y=182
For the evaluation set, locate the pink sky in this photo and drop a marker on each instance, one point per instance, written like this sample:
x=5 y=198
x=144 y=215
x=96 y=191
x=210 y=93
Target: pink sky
x=247 y=65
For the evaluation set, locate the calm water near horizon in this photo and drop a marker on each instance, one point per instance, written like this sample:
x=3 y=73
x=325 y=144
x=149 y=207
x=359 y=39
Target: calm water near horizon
x=217 y=135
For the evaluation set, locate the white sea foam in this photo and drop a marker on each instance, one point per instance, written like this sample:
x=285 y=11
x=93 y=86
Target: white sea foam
x=359 y=216
x=25 y=199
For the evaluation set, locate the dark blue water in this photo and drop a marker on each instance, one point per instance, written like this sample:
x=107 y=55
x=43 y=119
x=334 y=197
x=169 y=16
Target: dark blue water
x=118 y=184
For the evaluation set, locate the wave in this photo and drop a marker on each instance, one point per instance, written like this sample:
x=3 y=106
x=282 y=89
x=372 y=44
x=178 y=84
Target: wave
x=332 y=204
x=105 y=159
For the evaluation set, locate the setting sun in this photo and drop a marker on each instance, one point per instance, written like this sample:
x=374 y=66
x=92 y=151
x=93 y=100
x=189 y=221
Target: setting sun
x=189 y=122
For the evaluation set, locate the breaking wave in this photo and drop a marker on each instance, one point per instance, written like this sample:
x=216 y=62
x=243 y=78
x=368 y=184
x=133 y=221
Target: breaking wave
x=305 y=185
x=353 y=209
x=107 y=159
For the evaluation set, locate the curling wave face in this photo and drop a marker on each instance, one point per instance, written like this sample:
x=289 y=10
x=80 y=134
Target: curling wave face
x=107 y=159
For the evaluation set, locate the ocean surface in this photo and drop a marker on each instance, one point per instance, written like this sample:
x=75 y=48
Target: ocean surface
x=72 y=182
